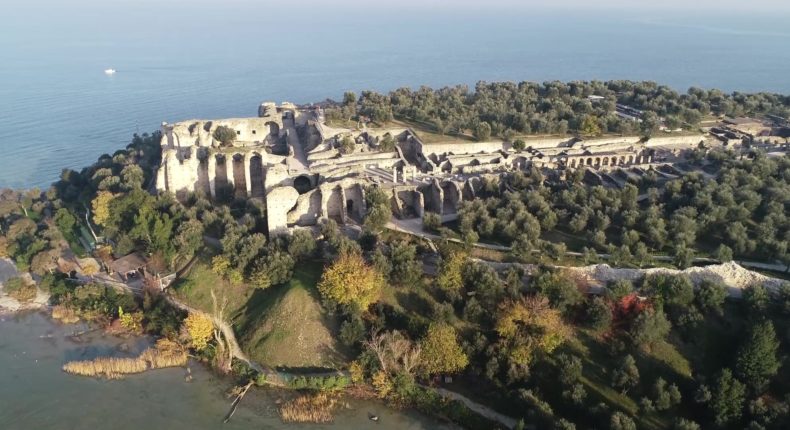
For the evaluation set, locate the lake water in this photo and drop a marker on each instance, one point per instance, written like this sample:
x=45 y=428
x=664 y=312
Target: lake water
x=182 y=60
x=36 y=394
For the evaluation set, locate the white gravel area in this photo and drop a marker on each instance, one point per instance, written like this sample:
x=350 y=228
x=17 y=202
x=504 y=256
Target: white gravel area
x=731 y=274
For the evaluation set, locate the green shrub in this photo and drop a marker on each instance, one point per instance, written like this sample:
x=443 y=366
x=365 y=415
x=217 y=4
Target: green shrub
x=225 y=135
x=431 y=221
x=319 y=383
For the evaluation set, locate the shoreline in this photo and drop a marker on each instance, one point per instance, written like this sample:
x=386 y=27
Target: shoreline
x=9 y=304
x=124 y=345
x=352 y=411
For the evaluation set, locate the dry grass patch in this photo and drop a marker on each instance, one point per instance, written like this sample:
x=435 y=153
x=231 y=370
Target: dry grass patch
x=65 y=314
x=309 y=408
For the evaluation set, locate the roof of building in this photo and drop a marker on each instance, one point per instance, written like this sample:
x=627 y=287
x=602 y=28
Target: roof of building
x=128 y=263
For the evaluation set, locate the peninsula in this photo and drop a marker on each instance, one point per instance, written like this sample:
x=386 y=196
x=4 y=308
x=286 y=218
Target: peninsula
x=516 y=255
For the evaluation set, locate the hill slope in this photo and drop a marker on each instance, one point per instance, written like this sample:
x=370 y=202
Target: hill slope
x=286 y=326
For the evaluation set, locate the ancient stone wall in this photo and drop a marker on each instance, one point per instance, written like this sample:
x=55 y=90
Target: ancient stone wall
x=280 y=201
x=675 y=140
x=433 y=196
x=407 y=202
x=355 y=202
x=464 y=147
x=307 y=210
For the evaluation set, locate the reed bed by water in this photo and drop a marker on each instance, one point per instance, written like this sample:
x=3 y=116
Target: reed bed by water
x=309 y=408
x=64 y=314
x=166 y=353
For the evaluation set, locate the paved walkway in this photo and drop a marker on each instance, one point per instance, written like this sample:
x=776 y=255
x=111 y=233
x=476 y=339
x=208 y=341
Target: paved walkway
x=297 y=163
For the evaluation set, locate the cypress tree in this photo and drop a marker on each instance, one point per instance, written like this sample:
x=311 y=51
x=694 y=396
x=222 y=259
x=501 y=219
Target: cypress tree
x=756 y=361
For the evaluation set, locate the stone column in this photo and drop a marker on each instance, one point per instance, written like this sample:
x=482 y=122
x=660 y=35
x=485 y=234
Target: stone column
x=229 y=173
x=395 y=174
x=161 y=177
x=247 y=175
x=212 y=174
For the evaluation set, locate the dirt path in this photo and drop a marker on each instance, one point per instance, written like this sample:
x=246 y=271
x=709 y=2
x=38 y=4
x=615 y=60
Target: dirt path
x=226 y=330
x=476 y=407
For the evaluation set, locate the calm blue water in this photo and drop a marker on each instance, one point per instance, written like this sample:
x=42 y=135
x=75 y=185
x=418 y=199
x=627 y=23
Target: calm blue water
x=175 y=62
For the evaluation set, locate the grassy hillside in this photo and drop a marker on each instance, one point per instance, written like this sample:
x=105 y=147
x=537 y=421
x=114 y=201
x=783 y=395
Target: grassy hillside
x=284 y=325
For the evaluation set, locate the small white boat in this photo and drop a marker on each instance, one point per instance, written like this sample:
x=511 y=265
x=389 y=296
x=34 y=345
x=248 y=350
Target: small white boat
x=109 y=71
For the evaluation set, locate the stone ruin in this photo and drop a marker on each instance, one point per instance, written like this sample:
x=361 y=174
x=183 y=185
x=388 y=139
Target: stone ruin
x=289 y=158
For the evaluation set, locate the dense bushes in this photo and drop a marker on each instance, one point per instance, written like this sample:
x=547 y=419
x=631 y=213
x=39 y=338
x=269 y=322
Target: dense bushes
x=319 y=383
x=743 y=209
x=506 y=108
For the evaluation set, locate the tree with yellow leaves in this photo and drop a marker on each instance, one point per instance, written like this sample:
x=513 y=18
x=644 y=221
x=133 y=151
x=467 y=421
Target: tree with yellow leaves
x=200 y=329
x=531 y=325
x=101 y=207
x=441 y=352
x=350 y=281
x=450 y=279
x=131 y=321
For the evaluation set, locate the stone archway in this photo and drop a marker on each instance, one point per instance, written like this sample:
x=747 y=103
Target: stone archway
x=239 y=175
x=303 y=184
x=221 y=176
x=274 y=129
x=256 y=175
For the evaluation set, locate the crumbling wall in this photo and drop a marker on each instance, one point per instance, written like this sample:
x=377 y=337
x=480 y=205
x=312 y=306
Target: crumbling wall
x=177 y=175
x=333 y=202
x=433 y=196
x=675 y=140
x=307 y=209
x=408 y=202
x=280 y=201
x=355 y=201
x=452 y=197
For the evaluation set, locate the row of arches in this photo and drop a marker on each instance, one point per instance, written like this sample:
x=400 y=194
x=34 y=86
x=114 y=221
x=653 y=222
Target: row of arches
x=441 y=198
x=242 y=175
x=606 y=161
